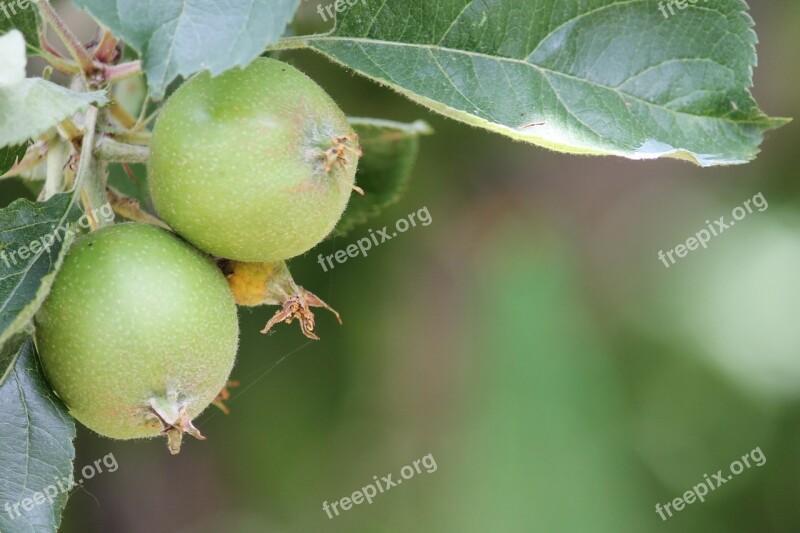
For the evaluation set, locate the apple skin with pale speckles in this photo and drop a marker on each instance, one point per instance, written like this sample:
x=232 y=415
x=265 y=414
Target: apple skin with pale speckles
x=244 y=165
x=136 y=316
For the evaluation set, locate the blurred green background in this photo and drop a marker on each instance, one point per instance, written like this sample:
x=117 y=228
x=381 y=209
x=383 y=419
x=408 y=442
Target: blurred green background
x=529 y=339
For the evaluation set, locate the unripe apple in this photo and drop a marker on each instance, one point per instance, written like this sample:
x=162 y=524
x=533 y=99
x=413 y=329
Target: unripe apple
x=254 y=165
x=138 y=334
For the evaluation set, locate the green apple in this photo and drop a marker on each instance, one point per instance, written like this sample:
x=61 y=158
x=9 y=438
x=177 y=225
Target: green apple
x=256 y=165
x=138 y=334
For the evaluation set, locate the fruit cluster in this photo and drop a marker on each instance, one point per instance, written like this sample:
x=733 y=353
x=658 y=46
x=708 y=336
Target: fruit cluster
x=251 y=168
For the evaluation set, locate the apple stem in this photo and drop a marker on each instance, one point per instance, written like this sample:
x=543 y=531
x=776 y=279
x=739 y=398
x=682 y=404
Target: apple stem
x=112 y=151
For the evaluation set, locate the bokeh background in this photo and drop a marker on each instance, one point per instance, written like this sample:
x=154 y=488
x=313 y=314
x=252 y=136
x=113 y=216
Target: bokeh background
x=529 y=339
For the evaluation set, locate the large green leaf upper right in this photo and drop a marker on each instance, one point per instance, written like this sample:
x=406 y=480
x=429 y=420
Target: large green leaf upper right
x=603 y=77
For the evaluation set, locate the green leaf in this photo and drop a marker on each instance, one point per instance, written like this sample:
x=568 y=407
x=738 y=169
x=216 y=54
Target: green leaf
x=29 y=107
x=181 y=38
x=9 y=155
x=28 y=267
x=603 y=77
x=36 y=450
x=390 y=149
x=9 y=352
x=24 y=19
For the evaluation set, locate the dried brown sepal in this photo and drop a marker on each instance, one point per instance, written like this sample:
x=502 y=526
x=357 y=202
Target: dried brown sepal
x=130 y=208
x=255 y=284
x=225 y=395
x=175 y=422
x=338 y=153
x=299 y=307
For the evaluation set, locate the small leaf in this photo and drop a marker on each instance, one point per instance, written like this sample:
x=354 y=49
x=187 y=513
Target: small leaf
x=36 y=451
x=390 y=149
x=602 y=77
x=29 y=107
x=10 y=155
x=34 y=238
x=24 y=19
x=181 y=38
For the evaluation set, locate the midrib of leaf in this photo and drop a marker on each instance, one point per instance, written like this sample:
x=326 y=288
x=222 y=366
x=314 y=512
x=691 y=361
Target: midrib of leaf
x=47 y=431
x=176 y=21
x=27 y=433
x=432 y=49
